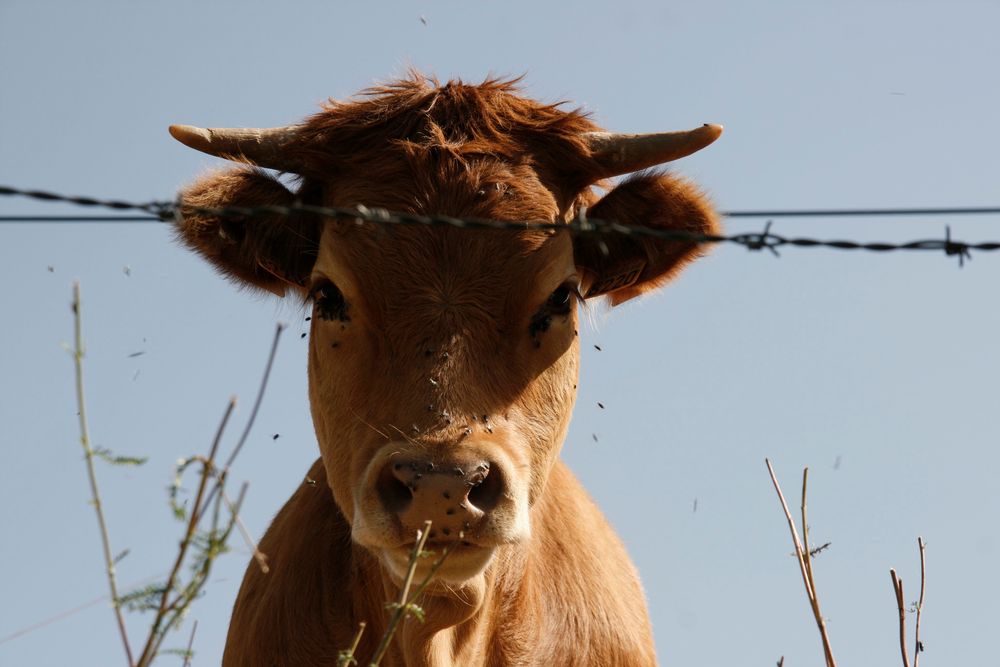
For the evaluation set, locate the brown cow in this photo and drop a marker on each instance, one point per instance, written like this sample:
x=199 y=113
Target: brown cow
x=443 y=369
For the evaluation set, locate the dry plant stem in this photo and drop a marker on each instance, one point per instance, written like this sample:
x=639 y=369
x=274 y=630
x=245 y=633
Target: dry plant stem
x=391 y=629
x=181 y=603
x=434 y=568
x=791 y=526
x=253 y=412
x=179 y=606
x=169 y=612
x=258 y=555
x=920 y=603
x=347 y=658
x=187 y=653
x=149 y=651
x=357 y=638
x=806 y=569
x=807 y=560
x=897 y=588
x=279 y=327
x=78 y=353
x=400 y=610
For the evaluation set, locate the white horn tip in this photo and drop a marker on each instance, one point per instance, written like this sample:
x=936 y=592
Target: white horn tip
x=189 y=135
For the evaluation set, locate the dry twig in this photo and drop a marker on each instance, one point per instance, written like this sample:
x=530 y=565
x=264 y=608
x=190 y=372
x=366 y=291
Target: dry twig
x=897 y=588
x=187 y=652
x=407 y=604
x=279 y=328
x=258 y=555
x=401 y=607
x=918 y=647
x=347 y=658
x=803 y=556
x=155 y=635
x=88 y=450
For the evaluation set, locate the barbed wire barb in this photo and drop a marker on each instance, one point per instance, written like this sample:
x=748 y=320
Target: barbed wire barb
x=955 y=247
x=761 y=240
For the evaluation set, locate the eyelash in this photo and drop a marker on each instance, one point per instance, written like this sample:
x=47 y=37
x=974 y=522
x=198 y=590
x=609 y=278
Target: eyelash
x=560 y=302
x=557 y=304
x=329 y=302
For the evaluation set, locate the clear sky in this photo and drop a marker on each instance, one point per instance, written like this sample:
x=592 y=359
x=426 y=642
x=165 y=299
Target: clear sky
x=880 y=372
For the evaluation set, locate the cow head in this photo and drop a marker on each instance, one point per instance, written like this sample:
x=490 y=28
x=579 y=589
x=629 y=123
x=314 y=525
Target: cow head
x=443 y=361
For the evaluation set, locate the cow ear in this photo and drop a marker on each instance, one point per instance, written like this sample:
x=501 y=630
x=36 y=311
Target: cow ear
x=623 y=266
x=270 y=252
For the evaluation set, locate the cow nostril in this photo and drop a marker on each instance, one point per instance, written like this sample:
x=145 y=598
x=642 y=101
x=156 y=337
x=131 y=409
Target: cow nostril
x=395 y=494
x=416 y=490
x=486 y=489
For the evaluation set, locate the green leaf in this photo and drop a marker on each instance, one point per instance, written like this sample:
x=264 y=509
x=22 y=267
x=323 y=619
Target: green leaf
x=146 y=598
x=182 y=652
x=107 y=456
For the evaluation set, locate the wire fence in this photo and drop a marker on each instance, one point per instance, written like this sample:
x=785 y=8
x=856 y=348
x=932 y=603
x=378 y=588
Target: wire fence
x=160 y=211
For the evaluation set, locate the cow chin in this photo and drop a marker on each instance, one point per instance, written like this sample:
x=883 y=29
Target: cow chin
x=455 y=561
x=462 y=562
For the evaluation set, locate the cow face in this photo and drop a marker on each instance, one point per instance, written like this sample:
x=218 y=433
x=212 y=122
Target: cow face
x=442 y=361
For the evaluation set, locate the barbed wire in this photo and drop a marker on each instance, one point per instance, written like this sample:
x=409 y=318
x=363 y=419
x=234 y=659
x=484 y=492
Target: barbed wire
x=763 y=240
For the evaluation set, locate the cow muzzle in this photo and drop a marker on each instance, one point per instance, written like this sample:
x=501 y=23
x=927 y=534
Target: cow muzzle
x=471 y=496
x=455 y=496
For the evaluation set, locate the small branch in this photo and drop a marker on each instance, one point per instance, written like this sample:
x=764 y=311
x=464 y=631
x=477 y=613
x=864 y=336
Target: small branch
x=897 y=587
x=280 y=327
x=187 y=653
x=791 y=526
x=152 y=641
x=410 y=605
x=434 y=569
x=806 y=553
x=170 y=611
x=78 y=354
x=258 y=555
x=401 y=606
x=802 y=554
x=215 y=539
x=917 y=646
x=348 y=658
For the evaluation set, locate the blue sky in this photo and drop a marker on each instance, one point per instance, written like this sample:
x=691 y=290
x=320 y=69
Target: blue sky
x=887 y=364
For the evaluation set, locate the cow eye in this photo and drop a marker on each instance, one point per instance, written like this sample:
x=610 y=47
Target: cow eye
x=329 y=302
x=561 y=300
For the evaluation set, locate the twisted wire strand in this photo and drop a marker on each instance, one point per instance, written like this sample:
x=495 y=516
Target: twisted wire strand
x=763 y=240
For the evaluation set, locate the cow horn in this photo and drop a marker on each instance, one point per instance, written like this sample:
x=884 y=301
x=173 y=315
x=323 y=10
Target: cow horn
x=264 y=147
x=616 y=154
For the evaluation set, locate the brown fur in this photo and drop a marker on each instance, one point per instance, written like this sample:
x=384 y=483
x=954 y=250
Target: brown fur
x=563 y=601
x=448 y=349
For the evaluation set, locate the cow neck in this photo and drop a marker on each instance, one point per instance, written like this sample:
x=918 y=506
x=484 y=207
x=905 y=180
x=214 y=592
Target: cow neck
x=460 y=624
